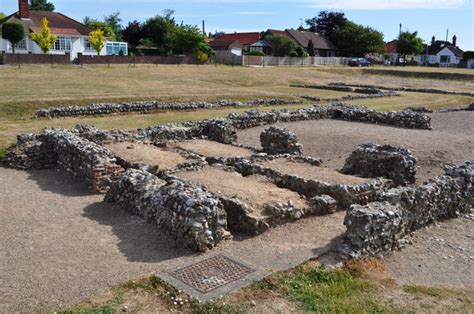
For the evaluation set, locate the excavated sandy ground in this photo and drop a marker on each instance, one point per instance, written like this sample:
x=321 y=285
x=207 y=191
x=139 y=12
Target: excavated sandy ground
x=256 y=190
x=213 y=149
x=450 y=141
x=146 y=154
x=309 y=171
x=59 y=244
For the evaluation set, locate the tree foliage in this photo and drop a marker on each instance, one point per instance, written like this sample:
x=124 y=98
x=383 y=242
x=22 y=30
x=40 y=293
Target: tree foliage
x=468 y=55
x=355 y=40
x=282 y=46
x=162 y=32
x=45 y=39
x=409 y=43
x=301 y=52
x=327 y=22
x=2 y=15
x=185 y=39
x=115 y=23
x=14 y=33
x=104 y=27
x=158 y=30
x=97 y=40
x=41 y=5
x=133 y=33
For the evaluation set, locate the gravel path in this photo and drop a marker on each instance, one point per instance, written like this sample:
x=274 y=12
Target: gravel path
x=450 y=140
x=441 y=255
x=60 y=245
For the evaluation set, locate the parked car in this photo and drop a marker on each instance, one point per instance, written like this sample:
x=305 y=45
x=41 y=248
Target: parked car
x=359 y=62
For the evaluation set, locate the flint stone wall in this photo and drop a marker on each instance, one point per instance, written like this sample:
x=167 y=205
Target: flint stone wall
x=391 y=162
x=344 y=195
x=352 y=97
x=78 y=156
x=277 y=141
x=400 y=89
x=149 y=106
x=380 y=227
x=193 y=216
x=339 y=111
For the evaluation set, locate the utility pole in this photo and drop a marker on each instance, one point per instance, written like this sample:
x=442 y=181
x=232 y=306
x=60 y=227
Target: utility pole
x=400 y=31
x=204 y=27
x=447 y=34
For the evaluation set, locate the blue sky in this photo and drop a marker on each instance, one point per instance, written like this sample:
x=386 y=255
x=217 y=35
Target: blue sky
x=428 y=17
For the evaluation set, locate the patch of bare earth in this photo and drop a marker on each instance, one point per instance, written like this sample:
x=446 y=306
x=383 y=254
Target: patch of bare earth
x=146 y=154
x=213 y=149
x=309 y=171
x=441 y=255
x=61 y=245
x=256 y=190
x=450 y=141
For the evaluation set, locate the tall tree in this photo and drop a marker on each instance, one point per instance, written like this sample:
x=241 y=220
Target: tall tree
x=115 y=22
x=133 y=33
x=282 y=46
x=14 y=33
x=185 y=39
x=327 y=22
x=41 y=5
x=158 y=29
x=409 y=43
x=355 y=40
x=45 y=39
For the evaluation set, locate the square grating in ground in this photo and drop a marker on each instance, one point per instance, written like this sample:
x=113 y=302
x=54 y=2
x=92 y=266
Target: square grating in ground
x=211 y=274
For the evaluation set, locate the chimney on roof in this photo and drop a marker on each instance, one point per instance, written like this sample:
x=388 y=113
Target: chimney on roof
x=454 y=40
x=24 y=10
x=433 y=40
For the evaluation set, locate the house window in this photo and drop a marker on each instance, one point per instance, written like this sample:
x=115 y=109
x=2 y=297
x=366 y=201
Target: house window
x=63 y=44
x=114 y=48
x=445 y=59
x=88 y=46
x=21 y=45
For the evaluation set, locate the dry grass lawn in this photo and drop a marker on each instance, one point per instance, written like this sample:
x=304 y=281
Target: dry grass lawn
x=22 y=91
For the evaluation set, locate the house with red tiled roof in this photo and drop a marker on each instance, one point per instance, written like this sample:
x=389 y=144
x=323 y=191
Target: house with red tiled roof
x=73 y=36
x=323 y=47
x=247 y=40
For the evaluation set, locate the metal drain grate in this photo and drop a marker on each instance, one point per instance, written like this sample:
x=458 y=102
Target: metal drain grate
x=212 y=273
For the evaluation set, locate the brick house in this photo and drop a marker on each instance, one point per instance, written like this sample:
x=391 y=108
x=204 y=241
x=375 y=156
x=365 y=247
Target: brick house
x=73 y=36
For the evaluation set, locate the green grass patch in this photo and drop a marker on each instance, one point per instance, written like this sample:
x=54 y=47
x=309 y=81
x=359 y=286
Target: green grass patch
x=330 y=291
x=429 y=291
x=3 y=154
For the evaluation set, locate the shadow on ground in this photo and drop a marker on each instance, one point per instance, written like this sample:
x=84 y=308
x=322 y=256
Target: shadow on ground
x=140 y=241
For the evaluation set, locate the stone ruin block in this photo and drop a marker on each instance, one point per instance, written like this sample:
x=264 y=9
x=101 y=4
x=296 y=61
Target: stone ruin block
x=380 y=227
x=277 y=141
x=220 y=130
x=193 y=216
x=391 y=162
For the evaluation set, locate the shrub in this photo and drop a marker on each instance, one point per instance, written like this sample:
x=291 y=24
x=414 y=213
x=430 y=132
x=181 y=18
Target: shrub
x=468 y=55
x=293 y=54
x=13 y=32
x=256 y=53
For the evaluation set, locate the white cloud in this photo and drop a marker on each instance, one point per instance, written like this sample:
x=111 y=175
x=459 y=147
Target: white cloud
x=390 y=4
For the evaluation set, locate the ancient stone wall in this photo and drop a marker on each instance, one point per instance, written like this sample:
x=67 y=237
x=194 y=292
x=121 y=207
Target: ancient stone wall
x=380 y=227
x=148 y=106
x=391 y=162
x=277 y=141
x=192 y=216
x=344 y=194
x=78 y=156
